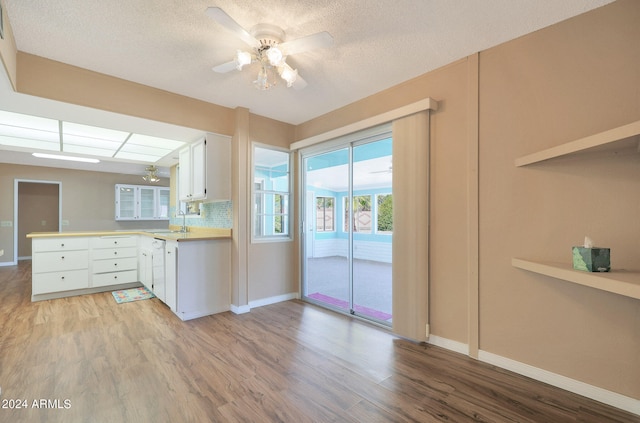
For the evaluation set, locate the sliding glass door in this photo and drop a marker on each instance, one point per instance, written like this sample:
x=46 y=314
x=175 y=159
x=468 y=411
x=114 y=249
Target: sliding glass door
x=348 y=227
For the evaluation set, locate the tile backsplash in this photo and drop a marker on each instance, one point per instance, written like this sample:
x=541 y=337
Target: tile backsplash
x=212 y=215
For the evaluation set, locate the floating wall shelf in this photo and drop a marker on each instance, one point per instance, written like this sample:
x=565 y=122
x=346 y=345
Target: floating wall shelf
x=624 y=137
x=621 y=282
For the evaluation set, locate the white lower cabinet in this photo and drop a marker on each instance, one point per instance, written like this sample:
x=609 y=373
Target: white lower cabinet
x=59 y=265
x=158 y=269
x=114 y=260
x=67 y=265
x=192 y=277
x=198 y=277
x=66 y=280
x=171 y=264
x=145 y=266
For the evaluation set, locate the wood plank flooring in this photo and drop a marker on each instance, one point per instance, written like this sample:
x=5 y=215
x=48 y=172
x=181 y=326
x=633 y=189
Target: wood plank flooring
x=92 y=360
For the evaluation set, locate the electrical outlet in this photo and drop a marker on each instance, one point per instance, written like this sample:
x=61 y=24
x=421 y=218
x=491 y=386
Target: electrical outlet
x=6 y=223
x=65 y=222
x=1 y=253
x=43 y=223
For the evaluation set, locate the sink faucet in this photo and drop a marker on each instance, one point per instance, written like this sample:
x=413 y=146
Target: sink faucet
x=184 y=221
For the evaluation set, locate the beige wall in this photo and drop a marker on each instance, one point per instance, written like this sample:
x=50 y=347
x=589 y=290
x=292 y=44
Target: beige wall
x=565 y=82
x=58 y=81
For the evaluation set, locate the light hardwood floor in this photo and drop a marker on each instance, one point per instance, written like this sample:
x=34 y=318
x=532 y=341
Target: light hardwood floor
x=288 y=362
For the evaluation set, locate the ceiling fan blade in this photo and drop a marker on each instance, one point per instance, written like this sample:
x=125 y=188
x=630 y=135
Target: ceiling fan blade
x=225 y=67
x=299 y=83
x=225 y=20
x=310 y=42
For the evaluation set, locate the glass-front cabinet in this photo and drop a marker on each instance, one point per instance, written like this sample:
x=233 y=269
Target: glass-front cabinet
x=141 y=202
x=125 y=202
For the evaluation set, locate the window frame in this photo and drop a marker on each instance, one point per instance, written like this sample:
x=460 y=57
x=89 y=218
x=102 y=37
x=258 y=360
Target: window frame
x=347 y=212
x=324 y=220
x=287 y=196
x=377 y=214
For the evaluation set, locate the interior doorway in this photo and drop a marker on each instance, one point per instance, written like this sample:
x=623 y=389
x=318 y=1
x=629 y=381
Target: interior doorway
x=38 y=208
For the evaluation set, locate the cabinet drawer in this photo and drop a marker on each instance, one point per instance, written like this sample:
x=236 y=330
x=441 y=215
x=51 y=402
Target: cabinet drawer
x=44 y=283
x=114 y=242
x=110 y=253
x=115 y=265
x=59 y=244
x=55 y=261
x=114 y=278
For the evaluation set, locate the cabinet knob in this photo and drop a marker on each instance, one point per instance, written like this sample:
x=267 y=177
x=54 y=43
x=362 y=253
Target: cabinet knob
x=62 y=277
x=115 y=253
x=62 y=257
x=62 y=245
x=115 y=264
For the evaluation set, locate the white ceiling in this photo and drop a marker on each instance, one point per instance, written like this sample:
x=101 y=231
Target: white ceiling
x=173 y=44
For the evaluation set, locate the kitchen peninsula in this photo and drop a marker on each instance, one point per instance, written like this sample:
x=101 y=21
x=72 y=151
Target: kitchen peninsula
x=188 y=271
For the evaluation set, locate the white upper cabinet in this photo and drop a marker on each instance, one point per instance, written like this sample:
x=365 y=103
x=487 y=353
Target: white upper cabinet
x=126 y=202
x=142 y=202
x=205 y=170
x=193 y=172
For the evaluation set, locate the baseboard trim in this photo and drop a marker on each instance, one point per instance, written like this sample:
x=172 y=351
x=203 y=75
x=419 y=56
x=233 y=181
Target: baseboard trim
x=448 y=344
x=8 y=263
x=273 y=300
x=239 y=309
x=604 y=396
x=613 y=399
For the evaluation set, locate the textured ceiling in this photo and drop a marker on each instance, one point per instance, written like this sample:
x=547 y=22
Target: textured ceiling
x=172 y=44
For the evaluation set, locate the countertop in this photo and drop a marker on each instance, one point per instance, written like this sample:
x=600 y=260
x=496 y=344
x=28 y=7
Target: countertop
x=192 y=234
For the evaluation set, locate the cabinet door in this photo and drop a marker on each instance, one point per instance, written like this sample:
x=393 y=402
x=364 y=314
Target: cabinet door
x=146 y=268
x=162 y=208
x=199 y=171
x=147 y=202
x=184 y=174
x=126 y=200
x=171 y=283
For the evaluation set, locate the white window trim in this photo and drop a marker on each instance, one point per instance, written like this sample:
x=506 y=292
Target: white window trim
x=271 y=238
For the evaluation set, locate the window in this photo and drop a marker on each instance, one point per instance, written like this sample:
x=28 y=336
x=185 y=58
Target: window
x=271 y=191
x=361 y=213
x=325 y=214
x=384 y=214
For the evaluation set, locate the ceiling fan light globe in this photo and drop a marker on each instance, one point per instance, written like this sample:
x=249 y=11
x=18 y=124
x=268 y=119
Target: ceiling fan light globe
x=274 y=54
x=242 y=58
x=289 y=75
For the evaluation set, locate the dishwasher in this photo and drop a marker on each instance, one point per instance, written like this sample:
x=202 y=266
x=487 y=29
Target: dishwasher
x=158 y=285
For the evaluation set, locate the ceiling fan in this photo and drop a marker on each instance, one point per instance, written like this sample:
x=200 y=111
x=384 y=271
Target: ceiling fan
x=269 y=50
x=388 y=170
